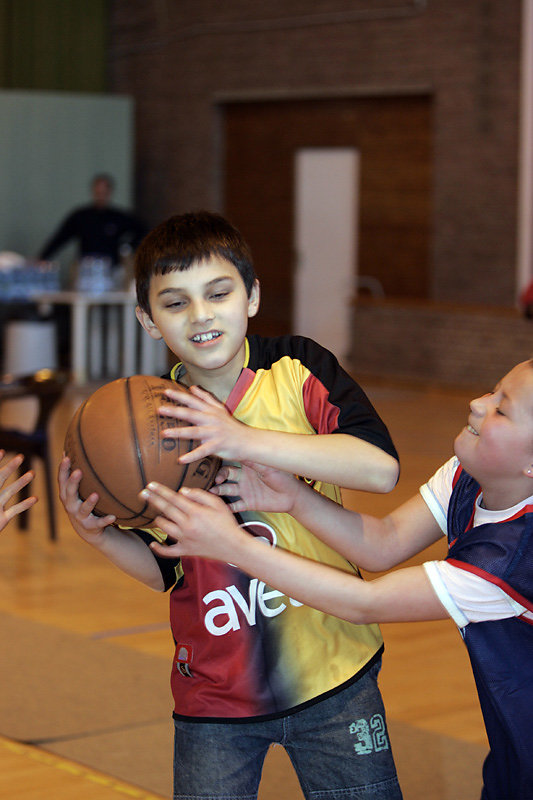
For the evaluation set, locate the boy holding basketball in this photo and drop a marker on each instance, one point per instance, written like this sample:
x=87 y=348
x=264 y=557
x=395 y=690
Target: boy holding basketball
x=482 y=499
x=252 y=666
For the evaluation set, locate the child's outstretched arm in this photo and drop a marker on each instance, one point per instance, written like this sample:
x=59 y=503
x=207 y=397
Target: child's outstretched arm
x=372 y=543
x=8 y=492
x=123 y=548
x=201 y=524
x=336 y=458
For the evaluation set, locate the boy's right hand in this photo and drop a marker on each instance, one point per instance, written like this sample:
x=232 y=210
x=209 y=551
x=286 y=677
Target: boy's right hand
x=80 y=512
x=7 y=469
x=259 y=488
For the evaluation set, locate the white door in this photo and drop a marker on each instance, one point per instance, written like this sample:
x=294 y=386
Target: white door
x=326 y=222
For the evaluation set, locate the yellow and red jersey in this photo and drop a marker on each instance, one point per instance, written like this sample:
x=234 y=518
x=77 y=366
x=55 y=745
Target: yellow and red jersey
x=244 y=650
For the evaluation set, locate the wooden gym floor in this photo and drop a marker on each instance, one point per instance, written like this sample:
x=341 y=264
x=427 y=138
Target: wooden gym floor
x=66 y=588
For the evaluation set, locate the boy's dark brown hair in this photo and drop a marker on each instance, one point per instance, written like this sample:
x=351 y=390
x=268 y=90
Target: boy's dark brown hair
x=184 y=240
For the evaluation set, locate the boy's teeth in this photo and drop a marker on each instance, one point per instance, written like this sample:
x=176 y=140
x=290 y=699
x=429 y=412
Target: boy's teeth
x=471 y=429
x=205 y=337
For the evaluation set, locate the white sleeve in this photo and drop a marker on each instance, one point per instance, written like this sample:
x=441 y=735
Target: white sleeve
x=468 y=597
x=437 y=491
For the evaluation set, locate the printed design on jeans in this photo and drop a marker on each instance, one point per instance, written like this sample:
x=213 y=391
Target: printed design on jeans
x=371 y=736
x=184 y=659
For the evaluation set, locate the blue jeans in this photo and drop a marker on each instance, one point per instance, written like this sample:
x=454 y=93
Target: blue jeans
x=339 y=748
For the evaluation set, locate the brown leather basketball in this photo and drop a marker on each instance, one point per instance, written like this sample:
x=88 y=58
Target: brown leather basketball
x=116 y=439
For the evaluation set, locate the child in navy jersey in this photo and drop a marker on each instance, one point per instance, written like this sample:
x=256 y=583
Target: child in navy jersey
x=482 y=499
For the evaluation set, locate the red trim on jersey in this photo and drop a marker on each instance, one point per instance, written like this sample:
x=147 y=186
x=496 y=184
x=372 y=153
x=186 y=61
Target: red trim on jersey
x=520 y=513
x=457 y=475
x=322 y=414
x=487 y=576
x=471 y=520
x=244 y=382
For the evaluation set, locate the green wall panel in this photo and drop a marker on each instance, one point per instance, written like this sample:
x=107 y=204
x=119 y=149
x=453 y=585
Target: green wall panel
x=51 y=144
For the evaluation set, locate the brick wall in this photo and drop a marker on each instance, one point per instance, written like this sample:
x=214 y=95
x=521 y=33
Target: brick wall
x=438 y=343
x=180 y=58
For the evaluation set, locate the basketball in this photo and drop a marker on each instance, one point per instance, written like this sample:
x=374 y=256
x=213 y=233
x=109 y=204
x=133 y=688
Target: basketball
x=116 y=439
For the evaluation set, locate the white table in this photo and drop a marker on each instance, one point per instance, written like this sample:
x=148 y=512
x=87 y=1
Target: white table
x=150 y=359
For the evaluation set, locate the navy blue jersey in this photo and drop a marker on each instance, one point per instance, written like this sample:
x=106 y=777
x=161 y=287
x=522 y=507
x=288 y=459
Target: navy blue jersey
x=501 y=651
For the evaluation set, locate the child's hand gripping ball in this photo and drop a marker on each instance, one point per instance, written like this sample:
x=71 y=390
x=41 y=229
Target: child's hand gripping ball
x=116 y=439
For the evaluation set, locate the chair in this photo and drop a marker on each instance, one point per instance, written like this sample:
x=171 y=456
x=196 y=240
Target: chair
x=47 y=387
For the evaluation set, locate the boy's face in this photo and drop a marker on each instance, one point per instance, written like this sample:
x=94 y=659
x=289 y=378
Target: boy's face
x=496 y=447
x=202 y=314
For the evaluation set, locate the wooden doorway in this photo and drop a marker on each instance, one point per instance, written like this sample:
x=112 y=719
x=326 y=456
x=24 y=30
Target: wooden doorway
x=393 y=136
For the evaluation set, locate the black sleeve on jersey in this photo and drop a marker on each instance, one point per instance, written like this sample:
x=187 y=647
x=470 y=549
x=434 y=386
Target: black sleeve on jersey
x=357 y=415
x=167 y=566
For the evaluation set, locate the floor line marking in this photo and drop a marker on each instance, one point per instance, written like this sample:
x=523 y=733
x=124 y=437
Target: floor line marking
x=78 y=771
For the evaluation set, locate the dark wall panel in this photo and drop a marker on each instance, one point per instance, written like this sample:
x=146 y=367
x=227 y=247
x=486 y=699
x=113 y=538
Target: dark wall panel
x=393 y=136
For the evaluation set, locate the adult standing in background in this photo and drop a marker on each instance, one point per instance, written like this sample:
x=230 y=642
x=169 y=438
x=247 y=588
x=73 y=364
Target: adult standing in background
x=99 y=228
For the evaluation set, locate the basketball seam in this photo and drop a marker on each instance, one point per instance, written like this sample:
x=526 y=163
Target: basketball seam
x=184 y=473
x=93 y=471
x=140 y=462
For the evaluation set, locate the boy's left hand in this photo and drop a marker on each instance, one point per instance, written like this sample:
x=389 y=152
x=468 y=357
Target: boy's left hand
x=209 y=421
x=197 y=522
x=257 y=487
